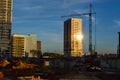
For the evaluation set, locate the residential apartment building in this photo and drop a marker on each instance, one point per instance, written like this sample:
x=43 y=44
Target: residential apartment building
x=73 y=37
x=5 y=26
x=39 y=46
x=18 y=45
x=31 y=45
x=24 y=45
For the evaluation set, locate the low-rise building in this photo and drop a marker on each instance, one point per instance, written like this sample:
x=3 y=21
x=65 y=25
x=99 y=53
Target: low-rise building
x=25 y=45
x=18 y=45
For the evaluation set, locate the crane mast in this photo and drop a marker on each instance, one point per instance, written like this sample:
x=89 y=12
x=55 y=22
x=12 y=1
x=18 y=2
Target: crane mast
x=90 y=30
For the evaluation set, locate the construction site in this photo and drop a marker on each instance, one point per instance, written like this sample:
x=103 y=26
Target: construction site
x=74 y=64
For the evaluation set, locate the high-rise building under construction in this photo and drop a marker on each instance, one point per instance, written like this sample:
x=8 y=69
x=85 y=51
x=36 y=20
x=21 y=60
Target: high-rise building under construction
x=5 y=26
x=73 y=37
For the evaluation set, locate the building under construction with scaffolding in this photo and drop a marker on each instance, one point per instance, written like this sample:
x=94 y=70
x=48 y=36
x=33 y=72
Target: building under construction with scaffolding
x=5 y=26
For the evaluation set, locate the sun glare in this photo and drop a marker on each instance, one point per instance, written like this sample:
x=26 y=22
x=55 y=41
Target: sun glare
x=80 y=37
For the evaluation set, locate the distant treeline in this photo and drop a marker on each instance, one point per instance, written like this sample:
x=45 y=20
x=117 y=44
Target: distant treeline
x=52 y=55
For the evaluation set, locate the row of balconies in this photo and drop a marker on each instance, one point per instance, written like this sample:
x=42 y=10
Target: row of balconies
x=4 y=34
x=17 y=50
x=4 y=31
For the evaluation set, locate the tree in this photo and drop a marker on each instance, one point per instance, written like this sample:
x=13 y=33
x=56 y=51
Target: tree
x=36 y=53
x=52 y=55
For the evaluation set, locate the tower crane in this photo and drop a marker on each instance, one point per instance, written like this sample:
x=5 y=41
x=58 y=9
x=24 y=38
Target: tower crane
x=90 y=26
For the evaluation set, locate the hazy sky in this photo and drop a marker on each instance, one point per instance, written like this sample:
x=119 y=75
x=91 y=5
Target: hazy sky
x=43 y=17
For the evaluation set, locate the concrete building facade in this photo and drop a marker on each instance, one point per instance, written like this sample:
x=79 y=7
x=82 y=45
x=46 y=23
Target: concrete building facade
x=39 y=46
x=5 y=25
x=31 y=44
x=18 y=45
x=23 y=45
x=73 y=37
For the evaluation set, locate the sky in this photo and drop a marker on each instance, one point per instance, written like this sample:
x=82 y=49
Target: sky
x=43 y=18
